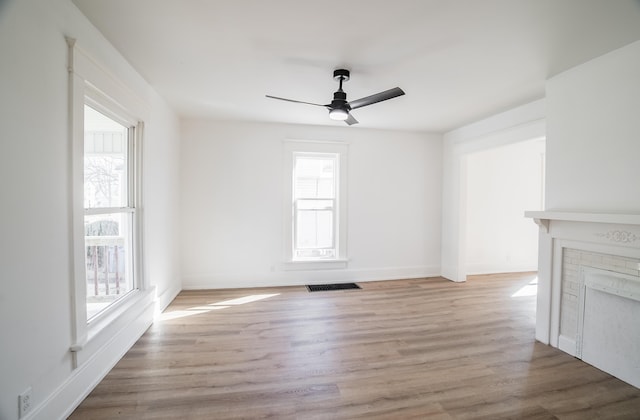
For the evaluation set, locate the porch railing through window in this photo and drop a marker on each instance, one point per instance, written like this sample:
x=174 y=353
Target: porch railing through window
x=105 y=260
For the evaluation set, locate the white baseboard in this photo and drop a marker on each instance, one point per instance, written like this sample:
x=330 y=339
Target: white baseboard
x=477 y=269
x=165 y=298
x=301 y=277
x=61 y=403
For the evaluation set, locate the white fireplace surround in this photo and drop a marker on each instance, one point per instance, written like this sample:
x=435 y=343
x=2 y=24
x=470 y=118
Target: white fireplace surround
x=589 y=288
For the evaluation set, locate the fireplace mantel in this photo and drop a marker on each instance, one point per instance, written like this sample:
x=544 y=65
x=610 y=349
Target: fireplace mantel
x=572 y=246
x=542 y=218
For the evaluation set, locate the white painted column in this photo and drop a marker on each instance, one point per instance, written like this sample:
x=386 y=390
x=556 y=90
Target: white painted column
x=545 y=267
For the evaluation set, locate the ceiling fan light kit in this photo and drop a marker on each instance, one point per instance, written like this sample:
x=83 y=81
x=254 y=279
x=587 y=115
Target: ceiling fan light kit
x=338 y=114
x=339 y=108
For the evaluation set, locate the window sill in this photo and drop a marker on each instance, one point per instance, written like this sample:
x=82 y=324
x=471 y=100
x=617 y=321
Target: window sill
x=107 y=325
x=315 y=265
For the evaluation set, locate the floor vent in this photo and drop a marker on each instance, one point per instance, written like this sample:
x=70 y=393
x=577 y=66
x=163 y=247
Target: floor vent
x=327 y=287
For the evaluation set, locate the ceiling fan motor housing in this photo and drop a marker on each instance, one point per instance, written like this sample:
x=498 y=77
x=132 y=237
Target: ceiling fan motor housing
x=340 y=101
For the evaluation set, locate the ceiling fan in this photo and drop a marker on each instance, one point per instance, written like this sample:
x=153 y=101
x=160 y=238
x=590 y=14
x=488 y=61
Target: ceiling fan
x=339 y=108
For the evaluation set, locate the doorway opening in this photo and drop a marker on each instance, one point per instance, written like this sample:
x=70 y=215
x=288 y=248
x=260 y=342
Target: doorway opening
x=501 y=184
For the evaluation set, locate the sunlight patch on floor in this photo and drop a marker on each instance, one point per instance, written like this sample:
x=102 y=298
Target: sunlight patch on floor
x=197 y=310
x=530 y=289
x=246 y=299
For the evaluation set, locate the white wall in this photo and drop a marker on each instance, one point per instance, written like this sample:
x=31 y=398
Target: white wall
x=161 y=197
x=594 y=135
x=592 y=151
x=516 y=125
x=232 y=211
x=35 y=254
x=503 y=183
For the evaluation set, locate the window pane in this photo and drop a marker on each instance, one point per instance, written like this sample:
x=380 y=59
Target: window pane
x=105 y=161
x=314 y=229
x=314 y=177
x=108 y=240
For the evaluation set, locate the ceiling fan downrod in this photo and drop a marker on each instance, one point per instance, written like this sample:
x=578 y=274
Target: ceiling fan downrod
x=339 y=105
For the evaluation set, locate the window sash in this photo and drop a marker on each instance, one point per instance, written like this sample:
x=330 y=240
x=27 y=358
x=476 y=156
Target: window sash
x=126 y=239
x=314 y=203
x=321 y=200
x=107 y=210
x=322 y=186
x=298 y=243
x=109 y=265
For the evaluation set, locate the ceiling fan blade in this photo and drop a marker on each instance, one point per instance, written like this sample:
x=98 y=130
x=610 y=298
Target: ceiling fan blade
x=350 y=120
x=378 y=97
x=294 y=101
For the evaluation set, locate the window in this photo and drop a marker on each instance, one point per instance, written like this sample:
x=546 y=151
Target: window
x=109 y=209
x=111 y=300
x=315 y=205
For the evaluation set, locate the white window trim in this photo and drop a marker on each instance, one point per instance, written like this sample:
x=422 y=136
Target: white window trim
x=290 y=148
x=90 y=83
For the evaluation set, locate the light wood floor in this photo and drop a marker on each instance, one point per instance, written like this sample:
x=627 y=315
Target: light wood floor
x=426 y=348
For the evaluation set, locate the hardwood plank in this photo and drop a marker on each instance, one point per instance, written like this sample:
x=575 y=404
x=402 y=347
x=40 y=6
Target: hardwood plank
x=394 y=349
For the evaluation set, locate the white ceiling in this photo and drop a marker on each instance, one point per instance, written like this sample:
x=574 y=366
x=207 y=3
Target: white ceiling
x=457 y=60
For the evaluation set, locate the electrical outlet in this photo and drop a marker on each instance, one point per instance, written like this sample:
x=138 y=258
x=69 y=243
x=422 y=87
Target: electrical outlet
x=24 y=402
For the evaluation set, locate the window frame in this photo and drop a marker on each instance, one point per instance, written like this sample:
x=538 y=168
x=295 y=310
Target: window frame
x=335 y=245
x=93 y=85
x=300 y=148
x=104 y=106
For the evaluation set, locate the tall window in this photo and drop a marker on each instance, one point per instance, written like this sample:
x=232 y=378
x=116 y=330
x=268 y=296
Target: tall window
x=314 y=204
x=109 y=207
x=109 y=294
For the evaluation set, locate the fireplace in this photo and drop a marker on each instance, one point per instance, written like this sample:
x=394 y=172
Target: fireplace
x=589 y=288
